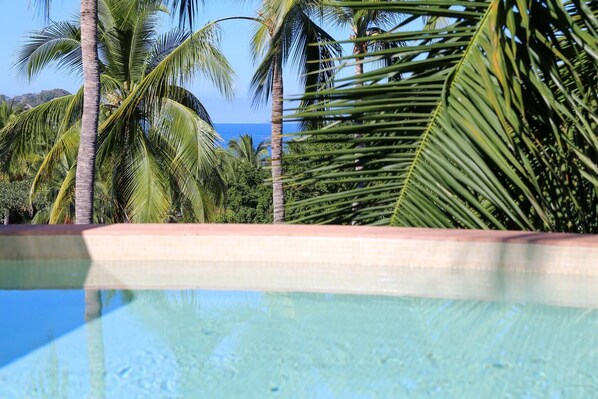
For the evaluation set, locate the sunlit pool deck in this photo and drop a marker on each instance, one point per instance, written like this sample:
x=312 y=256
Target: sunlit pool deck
x=560 y=269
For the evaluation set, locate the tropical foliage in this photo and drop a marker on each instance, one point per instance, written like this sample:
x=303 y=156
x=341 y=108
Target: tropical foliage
x=248 y=196
x=15 y=180
x=486 y=119
x=13 y=197
x=460 y=114
x=244 y=150
x=156 y=144
x=288 y=32
x=303 y=155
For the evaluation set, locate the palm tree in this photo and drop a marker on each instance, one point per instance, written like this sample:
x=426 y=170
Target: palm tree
x=244 y=150
x=288 y=32
x=85 y=171
x=155 y=137
x=366 y=25
x=239 y=153
x=489 y=122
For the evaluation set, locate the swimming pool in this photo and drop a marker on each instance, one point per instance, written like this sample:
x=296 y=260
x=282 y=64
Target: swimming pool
x=512 y=320
x=185 y=343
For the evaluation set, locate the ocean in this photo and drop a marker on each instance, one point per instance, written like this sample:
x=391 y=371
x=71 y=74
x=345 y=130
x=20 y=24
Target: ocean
x=259 y=131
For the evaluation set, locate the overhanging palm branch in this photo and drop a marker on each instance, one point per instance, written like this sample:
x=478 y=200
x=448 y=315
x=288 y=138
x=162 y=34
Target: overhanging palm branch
x=491 y=123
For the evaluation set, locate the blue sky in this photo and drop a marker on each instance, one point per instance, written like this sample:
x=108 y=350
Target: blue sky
x=17 y=17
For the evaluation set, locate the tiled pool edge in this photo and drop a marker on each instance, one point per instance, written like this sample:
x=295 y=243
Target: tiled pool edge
x=345 y=245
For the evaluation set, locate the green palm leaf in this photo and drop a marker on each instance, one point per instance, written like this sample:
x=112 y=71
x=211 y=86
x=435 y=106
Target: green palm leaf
x=156 y=145
x=36 y=129
x=490 y=121
x=144 y=184
x=62 y=211
x=65 y=148
x=244 y=150
x=299 y=39
x=198 y=53
x=59 y=43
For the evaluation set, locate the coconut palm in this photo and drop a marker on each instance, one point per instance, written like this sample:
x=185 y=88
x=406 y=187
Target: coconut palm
x=91 y=75
x=490 y=121
x=288 y=32
x=241 y=151
x=238 y=151
x=155 y=136
x=365 y=26
x=244 y=149
x=85 y=170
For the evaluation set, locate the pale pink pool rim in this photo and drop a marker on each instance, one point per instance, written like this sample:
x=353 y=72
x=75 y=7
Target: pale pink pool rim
x=388 y=246
x=558 y=269
x=407 y=233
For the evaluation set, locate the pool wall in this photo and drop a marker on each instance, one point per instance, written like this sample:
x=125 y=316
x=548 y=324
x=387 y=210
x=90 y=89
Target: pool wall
x=559 y=269
x=413 y=247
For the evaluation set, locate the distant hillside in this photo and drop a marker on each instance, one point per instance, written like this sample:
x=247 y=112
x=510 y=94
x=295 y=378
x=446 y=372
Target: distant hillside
x=35 y=99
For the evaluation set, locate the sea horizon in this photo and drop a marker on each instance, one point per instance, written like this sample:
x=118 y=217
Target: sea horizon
x=259 y=131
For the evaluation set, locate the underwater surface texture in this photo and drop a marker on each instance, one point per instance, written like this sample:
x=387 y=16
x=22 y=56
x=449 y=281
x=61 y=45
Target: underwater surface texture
x=182 y=344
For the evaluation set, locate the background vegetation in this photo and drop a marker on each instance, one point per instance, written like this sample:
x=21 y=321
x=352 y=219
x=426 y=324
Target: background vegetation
x=458 y=114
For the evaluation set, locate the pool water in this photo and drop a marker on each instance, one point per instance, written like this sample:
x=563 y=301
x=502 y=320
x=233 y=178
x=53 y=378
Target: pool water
x=220 y=344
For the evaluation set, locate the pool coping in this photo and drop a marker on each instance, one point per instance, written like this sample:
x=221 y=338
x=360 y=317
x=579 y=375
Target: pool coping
x=286 y=244
x=558 y=269
x=404 y=233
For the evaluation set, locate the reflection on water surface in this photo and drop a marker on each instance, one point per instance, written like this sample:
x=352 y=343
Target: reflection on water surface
x=201 y=343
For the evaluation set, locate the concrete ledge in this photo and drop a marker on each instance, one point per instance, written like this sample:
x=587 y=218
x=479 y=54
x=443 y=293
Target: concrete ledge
x=556 y=269
x=288 y=244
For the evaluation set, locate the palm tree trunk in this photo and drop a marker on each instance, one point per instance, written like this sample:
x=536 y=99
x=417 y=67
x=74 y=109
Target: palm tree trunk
x=358 y=49
x=277 y=187
x=91 y=103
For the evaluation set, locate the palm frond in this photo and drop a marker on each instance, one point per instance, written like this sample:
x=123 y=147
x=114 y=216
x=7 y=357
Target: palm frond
x=144 y=184
x=59 y=43
x=62 y=210
x=187 y=10
x=65 y=147
x=36 y=129
x=191 y=138
x=297 y=39
x=164 y=45
x=244 y=149
x=198 y=53
x=188 y=145
x=489 y=121
x=189 y=100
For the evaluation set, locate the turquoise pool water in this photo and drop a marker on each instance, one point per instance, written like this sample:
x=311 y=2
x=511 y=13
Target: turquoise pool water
x=220 y=344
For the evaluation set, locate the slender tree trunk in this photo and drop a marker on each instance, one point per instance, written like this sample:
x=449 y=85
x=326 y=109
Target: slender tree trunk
x=6 y=217
x=91 y=102
x=277 y=187
x=358 y=49
x=95 y=344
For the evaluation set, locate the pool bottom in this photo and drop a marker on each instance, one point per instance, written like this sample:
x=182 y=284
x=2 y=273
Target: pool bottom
x=200 y=343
